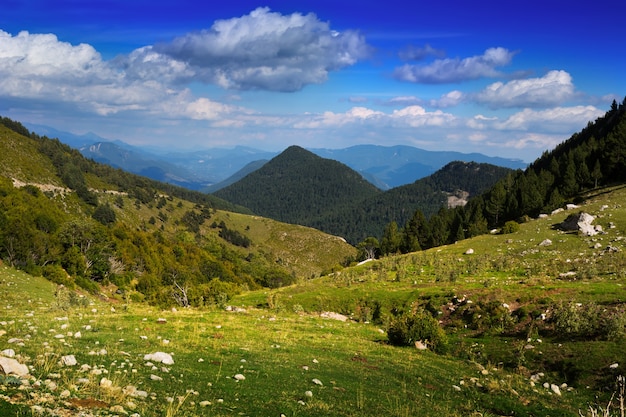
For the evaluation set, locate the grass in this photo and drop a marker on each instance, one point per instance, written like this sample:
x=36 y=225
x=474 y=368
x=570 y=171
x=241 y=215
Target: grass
x=281 y=345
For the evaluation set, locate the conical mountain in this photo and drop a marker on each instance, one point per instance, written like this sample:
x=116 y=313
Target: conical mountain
x=299 y=187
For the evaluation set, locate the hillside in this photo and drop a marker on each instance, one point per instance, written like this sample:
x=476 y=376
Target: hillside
x=453 y=185
x=299 y=187
x=530 y=330
x=81 y=223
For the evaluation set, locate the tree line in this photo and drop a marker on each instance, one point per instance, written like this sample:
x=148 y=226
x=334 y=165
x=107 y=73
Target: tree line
x=591 y=158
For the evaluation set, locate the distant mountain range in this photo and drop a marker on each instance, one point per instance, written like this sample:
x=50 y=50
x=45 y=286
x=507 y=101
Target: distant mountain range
x=211 y=169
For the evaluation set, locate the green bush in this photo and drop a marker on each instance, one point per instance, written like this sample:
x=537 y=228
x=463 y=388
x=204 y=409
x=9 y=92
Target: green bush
x=575 y=320
x=56 y=274
x=510 y=227
x=407 y=329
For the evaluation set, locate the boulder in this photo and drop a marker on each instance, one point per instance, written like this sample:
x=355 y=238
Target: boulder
x=580 y=221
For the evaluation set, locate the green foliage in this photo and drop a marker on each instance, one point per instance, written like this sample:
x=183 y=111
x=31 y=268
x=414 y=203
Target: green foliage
x=233 y=236
x=588 y=321
x=58 y=275
x=105 y=214
x=509 y=227
x=407 y=329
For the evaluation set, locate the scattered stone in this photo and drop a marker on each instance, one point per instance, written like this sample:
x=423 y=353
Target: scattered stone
x=555 y=389
x=65 y=393
x=614 y=365
x=470 y=251
x=546 y=242
x=334 y=316
x=162 y=357
x=239 y=377
x=161 y=320
x=456 y=388
x=308 y=394
x=155 y=377
x=106 y=383
x=118 y=409
x=205 y=403
x=69 y=360
x=10 y=366
x=317 y=381
x=9 y=353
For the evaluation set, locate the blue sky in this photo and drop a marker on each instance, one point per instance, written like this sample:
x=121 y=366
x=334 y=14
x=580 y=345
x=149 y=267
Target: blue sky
x=509 y=79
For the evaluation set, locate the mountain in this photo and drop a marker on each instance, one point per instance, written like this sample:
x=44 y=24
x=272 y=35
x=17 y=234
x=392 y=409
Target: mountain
x=385 y=167
x=251 y=167
x=398 y=165
x=139 y=162
x=299 y=187
x=81 y=223
x=451 y=186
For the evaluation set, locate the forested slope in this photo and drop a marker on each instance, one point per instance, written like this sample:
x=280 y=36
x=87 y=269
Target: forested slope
x=80 y=223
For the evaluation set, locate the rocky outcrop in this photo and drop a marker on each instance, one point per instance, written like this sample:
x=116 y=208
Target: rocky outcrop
x=580 y=221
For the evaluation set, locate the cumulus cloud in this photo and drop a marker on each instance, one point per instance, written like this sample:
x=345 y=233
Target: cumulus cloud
x=554 y=88
x=451 y=99
x=453 y=70
x=262 y=50
x=407 y=117
x=557 y=119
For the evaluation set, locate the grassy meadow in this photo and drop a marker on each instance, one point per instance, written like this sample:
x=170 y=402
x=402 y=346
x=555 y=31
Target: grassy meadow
x=534 y=329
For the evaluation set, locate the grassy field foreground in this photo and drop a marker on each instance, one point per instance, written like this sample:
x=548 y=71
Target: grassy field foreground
x=272 y=353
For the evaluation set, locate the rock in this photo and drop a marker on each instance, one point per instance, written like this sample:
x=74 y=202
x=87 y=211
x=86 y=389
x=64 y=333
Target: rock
x=106 y=383
x=470 y=251
x=10 y=366
x=9 y=353
x=555 y=389
x=420 y=345
x=164 y=358
x=317 y=381
x=546 y=242
x=69 y=360
x=456 y=388
x=579 y=222
x=205 y=403
x=334 y=316
x=239 y=377
x=614 y=365
x=308 y=394
x=155 y=377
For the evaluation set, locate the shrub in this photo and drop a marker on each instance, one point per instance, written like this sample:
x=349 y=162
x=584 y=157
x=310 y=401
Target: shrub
x=409 y=328
x=510 y=227
x=577 y=320
x=56 y=274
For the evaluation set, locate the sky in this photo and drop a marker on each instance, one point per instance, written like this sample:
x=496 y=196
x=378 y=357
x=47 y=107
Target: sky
x=510 y=79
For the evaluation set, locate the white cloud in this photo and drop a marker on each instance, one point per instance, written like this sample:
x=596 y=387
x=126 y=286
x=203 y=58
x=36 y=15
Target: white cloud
x=266 y=50
x=552 y=89
x=453 y=70
x=417 y=116
x=558 y=119
x=451 y=99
